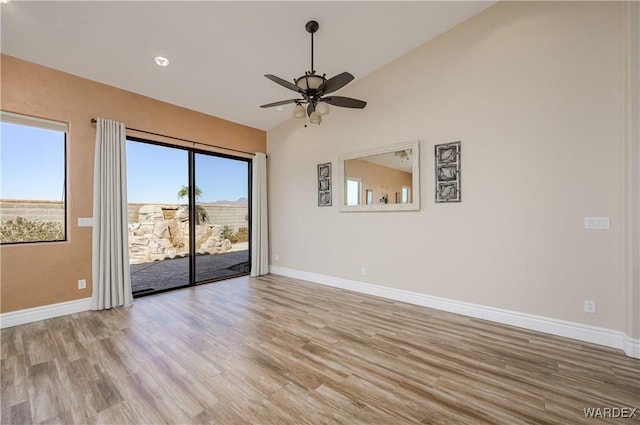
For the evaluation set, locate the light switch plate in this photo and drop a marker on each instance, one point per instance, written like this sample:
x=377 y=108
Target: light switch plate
x=85 y=221
x=597 y=223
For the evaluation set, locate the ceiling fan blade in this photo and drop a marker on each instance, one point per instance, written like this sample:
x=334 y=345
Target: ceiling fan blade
x=282 y=102
x=284 y=83
x=345 y=102
x=311 y=108
x=335 y=83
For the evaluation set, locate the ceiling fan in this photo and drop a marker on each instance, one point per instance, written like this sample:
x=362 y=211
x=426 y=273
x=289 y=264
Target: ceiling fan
x=314 y=90
x=402 y=154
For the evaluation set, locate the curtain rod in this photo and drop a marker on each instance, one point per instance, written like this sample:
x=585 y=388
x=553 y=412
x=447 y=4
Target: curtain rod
x=93 y=121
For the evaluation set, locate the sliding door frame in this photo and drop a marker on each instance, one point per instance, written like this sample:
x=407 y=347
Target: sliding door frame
x=191 y=153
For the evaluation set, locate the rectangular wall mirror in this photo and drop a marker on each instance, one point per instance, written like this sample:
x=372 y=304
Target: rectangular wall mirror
x=381 y=179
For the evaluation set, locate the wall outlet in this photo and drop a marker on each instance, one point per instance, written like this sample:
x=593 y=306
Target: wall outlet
x=589 y=306
x=276 y=257
x=363 y=271
x=82 y=284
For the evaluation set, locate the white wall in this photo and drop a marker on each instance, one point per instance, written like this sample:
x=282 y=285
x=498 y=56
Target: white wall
x=536 y=93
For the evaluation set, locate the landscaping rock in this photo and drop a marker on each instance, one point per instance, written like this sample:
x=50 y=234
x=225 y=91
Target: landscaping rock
x=150 y=213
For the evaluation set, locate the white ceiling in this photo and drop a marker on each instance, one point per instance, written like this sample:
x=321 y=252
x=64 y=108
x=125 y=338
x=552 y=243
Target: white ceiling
x=391 y=160
x=219 y=51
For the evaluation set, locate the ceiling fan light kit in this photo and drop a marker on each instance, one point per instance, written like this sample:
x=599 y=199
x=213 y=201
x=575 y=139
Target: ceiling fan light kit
x=322 y=108
x=313 y=89
x=314 y=118
x=299 y=112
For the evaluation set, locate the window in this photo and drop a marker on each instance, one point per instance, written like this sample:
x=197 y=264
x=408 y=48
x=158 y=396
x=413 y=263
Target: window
x=353 y=191
x=32 y=179
x=406 y=194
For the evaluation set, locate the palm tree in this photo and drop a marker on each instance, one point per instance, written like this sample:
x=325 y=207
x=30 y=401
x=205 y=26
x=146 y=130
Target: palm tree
x=184 y=192
x=201 y=213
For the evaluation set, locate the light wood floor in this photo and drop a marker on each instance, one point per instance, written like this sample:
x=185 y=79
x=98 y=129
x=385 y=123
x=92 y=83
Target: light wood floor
x=275 y=350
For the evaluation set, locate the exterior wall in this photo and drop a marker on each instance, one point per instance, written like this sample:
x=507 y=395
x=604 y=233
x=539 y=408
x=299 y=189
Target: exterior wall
x=31 y=210
x=232 y=215
x=39 y=274
x=537 y=93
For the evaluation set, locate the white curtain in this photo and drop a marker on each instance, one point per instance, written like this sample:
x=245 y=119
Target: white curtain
x=259 y=226
x=111 y=279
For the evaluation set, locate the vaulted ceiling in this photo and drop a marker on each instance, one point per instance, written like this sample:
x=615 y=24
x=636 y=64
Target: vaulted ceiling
x=219 y=51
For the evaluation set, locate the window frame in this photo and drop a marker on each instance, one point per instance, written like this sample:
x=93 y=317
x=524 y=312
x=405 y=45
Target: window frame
x=406 y=190
x=369 y=196
x=359 y=190
x=45 y=124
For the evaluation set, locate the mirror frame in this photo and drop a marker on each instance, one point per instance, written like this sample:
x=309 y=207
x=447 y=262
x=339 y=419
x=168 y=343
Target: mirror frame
x=413 y=206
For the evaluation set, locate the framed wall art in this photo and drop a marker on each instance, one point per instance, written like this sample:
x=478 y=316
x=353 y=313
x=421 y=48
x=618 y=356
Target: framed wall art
x=448 y=172
x=324 y=185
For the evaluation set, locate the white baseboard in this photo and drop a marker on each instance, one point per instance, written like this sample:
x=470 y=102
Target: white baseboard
x=587 y=333
x=20 y=317
x=632 y=347
x=581 y=332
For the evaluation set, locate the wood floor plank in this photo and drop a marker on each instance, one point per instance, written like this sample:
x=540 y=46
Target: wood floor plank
x=11 y=342
x=353 y=408
x=19 y=414
x=14 y=380
x=45 y=397
x=39 y=347
x=276 y=350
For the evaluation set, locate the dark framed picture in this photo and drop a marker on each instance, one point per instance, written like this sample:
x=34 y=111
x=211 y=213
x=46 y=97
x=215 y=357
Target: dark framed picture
x=324 y=185
x=448 y=192
x=447 y=153
x=447 y=170
x=324 y=198
x=447 y=173
x=324 y=170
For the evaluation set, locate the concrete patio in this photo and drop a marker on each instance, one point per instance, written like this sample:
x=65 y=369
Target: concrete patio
x=168 y=274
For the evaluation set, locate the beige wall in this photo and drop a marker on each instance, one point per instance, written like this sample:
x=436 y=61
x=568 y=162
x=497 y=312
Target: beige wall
x=382 y=180
x=40 y=274
x=536 y=93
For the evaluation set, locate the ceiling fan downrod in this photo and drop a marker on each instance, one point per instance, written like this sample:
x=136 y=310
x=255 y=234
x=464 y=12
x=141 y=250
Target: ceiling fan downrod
x=312 y=27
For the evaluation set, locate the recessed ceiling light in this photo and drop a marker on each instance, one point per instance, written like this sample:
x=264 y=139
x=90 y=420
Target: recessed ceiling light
x=4 y=1
x=162 y=61
x=279 y=108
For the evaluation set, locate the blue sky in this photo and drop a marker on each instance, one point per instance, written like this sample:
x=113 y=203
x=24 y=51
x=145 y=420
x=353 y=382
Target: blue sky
x=31 y=163
x=156 y=173
x=32 y=167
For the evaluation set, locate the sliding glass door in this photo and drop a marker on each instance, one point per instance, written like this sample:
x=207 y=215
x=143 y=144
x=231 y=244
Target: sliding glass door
x=222 y=217
x=174 y=193
x=158 y=216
